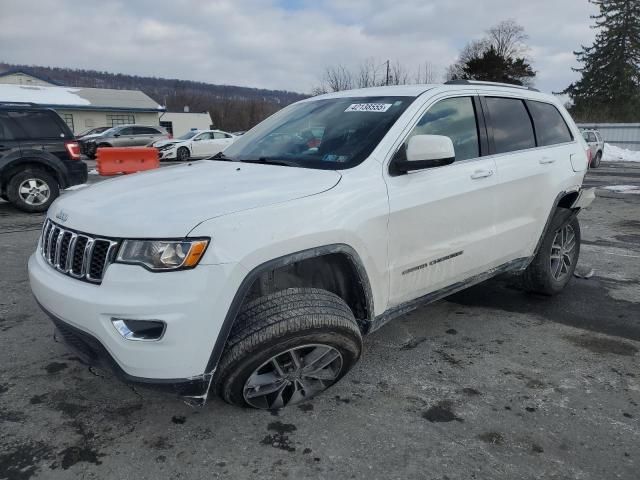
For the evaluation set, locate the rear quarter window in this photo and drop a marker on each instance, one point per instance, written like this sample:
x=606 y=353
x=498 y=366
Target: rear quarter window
x=551 y=128
x=39 y=124
x=512 y=128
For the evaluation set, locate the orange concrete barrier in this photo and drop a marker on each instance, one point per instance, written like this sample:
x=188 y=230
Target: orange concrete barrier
x=115 y=160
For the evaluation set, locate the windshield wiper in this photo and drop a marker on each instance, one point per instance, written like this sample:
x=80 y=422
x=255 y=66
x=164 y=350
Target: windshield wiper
x=273 y=161
x=221 y=157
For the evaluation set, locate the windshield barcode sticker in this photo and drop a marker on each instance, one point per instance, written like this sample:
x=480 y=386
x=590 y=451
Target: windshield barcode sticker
x=368 y=107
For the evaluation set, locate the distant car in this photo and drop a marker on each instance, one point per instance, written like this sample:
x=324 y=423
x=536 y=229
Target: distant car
x=124 y=136
x=596 y=146
x=194 y=144
x=84 y=137
x=38 y=157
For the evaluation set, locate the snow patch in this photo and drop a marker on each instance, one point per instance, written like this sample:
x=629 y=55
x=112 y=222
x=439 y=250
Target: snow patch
x=617 y=154
x=632 y=189
x=42 y=95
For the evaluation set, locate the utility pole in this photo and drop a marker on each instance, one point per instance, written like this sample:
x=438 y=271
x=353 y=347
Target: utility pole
x=387 y=82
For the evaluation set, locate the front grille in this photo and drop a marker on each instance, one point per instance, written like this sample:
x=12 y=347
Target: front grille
x=76 y=254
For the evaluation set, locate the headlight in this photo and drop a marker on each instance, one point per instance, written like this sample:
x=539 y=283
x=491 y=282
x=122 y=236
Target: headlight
x=162 y=255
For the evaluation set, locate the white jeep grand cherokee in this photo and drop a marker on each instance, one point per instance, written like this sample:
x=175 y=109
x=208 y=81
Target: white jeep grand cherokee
x=257 y=272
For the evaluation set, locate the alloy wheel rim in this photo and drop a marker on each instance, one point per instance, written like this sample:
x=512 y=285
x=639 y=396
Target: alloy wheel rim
x=563 y=250
x=34 y=191
x=293 y=376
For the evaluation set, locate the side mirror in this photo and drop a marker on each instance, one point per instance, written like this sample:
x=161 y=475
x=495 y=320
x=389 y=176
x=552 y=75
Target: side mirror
x=116 y=135
x=426 y=151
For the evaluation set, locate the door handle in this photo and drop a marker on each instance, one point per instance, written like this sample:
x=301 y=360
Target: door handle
x=546 y=160
x=481 y=174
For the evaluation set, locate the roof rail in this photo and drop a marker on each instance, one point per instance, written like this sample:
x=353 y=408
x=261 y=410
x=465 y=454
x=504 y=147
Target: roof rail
x=480 y=82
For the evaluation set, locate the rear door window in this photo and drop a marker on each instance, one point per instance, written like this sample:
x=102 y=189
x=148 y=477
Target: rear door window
x=512 y=128
x=145 y=131
x=551 y=128
x=454 y=118
x=38 y=124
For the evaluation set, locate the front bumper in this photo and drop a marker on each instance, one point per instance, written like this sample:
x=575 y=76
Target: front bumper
x=170 y=153
x=192 y=303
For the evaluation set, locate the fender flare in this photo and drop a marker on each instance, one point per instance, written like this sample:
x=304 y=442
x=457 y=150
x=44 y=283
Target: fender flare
x=43 y=158
x=285 y=260
x=572 y=211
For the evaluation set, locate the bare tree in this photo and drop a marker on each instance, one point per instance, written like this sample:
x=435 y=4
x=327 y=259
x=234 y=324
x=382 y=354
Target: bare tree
x=508 y=38
x=337 y=78
x=426 y=73
x=473 y=49
x=369 y=74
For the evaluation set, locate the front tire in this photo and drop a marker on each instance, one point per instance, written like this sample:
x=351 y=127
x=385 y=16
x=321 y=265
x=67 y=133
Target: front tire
x=32 y=190
x=287 y=347
x=183 y=154
x=555 y=262
x=596 y=160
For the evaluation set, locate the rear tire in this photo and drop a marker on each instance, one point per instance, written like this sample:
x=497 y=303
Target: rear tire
x=278 y=344
x=32 y=190
x=555 y=262
x=596 y=160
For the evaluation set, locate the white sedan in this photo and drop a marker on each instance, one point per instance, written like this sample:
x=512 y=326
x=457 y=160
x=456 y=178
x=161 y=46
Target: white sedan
x=194 y=144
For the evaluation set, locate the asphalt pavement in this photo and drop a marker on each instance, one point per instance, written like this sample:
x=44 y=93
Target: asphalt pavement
x=491 y=383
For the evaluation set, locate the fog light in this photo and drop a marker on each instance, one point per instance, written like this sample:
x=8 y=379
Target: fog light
x=140 y=330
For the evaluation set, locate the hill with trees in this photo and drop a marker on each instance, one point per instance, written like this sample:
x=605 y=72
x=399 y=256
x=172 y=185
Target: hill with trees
x=231 y=107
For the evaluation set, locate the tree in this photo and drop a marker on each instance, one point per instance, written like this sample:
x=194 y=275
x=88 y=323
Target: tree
x=500 y=56
x=609 y=87
x=491 y=66
x=372 y=73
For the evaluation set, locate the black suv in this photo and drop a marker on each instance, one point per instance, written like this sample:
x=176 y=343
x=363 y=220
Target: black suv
x=39 y=156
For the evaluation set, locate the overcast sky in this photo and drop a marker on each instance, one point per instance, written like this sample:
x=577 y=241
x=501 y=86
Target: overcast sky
x=280 y=44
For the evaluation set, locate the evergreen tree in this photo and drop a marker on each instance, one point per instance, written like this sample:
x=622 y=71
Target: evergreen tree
x=491 y=66
x=609 y=89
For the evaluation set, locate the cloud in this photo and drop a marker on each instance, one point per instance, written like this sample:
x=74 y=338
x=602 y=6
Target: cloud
x=283 y=44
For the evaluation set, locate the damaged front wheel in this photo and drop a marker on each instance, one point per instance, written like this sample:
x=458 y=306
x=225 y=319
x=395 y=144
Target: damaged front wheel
x=287 y=347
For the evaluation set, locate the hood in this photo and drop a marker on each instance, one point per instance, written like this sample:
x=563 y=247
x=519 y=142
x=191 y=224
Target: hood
x=171 y=201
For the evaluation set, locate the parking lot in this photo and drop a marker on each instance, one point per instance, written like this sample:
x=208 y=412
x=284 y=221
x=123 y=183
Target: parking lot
x=490 y=383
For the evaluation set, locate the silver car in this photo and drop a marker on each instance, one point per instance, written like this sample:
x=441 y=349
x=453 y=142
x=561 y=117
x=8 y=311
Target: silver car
x=125 y=136
x=596 y=145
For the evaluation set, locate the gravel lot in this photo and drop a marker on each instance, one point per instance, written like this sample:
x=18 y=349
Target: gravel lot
x=491 y=383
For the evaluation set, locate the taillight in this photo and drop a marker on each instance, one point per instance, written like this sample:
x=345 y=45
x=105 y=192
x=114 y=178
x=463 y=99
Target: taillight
x=73 y=148
x=589 y=157
x=170 y=136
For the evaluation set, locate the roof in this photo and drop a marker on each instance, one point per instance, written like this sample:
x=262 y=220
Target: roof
x=416 y=90
x=80 y=98
x=13 y=71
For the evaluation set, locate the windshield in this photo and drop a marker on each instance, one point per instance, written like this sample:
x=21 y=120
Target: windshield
x=188 y=135
x=335 y=133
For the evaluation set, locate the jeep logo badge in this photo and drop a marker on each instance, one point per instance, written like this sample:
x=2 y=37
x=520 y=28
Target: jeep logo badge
x=62 y=216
